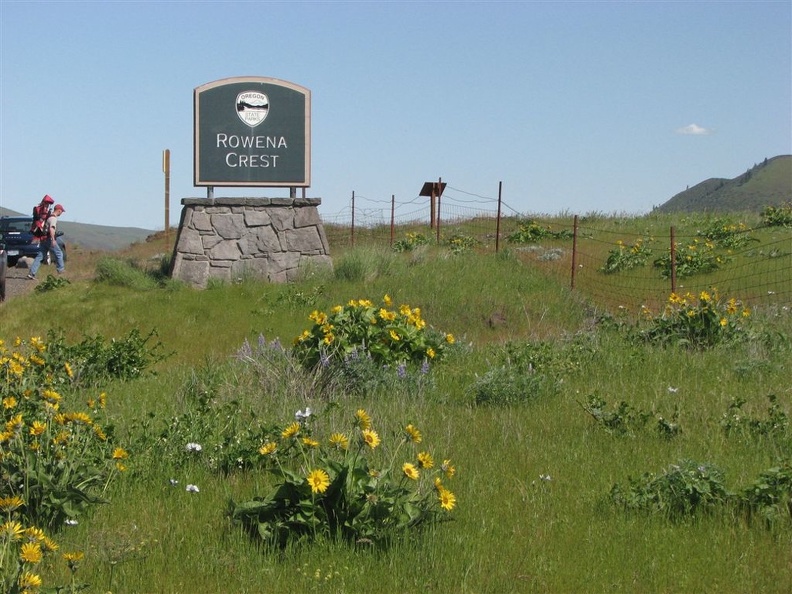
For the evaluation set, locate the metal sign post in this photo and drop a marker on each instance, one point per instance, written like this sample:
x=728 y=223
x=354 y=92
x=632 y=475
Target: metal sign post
x=166 y=171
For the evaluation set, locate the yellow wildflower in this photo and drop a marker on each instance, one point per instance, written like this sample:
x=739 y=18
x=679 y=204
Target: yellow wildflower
x=362 y=419
x=425 y=460
x=9 y=504
x=413 y=433
x=310 y=443
x=410 y=471
x=291 y=430
x=448 y=468
x=339 y=440
x=268 y=448
x=31 y=552
x=29 y=580
x=371 y=438
x=447 y=499
x=319 y=480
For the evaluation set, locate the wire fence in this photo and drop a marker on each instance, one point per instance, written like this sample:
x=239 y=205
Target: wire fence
x=601 y=256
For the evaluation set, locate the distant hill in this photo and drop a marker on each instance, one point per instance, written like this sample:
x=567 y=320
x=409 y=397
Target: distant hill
x=766 y=184
x=93 y=237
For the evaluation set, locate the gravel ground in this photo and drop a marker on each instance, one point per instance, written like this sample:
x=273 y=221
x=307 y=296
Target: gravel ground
x=17 y=282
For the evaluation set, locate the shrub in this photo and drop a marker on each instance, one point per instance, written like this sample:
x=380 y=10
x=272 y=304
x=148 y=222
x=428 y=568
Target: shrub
x=770 y=496
x=695 y=258
x=51 y=283
x=684 y=489
x=410 y=241
x=349 y=484
x=626 y=256
x=695 y=322
x=388 y=336
x=778 y=216
x=526 y=371
x=94 y=359
x=623 y=420
x=736 y=422
x=57 y=457
x=532 y=232
x=460 y=243
x=727 y=235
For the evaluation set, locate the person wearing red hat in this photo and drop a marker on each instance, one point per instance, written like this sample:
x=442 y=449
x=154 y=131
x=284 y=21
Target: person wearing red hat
x=49 y=243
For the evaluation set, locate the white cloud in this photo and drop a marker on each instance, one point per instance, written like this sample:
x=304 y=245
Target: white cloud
x=694 y=130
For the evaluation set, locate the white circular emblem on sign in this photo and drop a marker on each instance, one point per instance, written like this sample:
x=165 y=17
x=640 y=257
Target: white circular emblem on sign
x=252 y=107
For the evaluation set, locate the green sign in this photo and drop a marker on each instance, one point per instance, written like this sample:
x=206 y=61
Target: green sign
x=252 y=131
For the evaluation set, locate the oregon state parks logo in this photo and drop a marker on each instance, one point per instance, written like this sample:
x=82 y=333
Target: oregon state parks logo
x=252 y=107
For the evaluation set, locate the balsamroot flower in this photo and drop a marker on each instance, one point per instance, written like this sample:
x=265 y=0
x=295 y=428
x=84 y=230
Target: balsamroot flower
x=410 y=471
x=319 y=480
x=371 y=438
x=447 y=499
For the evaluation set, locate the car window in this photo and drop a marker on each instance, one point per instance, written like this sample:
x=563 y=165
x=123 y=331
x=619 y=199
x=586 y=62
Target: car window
x=18 y=226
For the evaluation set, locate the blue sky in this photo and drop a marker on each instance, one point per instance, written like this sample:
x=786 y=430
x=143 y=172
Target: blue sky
x=574 y=106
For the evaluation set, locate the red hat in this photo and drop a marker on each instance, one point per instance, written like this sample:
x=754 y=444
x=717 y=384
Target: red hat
x=59 y=207
x=48 y=199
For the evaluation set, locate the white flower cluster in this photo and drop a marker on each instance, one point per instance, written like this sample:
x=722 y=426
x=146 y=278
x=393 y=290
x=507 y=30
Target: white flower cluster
x=302 y=416
x=193 y=447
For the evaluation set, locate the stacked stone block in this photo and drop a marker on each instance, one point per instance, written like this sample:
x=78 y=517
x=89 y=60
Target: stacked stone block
x=230 y=238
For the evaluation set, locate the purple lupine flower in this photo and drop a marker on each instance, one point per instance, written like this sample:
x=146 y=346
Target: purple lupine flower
x=324 y=359
x=244 y=352
x=401 y=370
x=262 y=343
x=425 y=367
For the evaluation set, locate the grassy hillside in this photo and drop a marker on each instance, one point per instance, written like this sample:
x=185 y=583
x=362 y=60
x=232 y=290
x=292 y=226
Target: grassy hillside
x=511 y=406
x=767 y=184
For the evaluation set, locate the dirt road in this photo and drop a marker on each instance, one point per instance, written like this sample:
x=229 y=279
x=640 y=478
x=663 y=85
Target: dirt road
x=17 y=282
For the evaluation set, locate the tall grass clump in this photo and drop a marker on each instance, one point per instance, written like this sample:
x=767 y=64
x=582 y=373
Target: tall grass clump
x=122 y=273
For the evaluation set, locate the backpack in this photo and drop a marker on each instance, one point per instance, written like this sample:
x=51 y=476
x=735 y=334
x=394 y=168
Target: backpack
x=41 y=212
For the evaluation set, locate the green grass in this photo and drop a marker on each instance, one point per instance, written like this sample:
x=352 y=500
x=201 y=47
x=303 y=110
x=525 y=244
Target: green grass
x=512 y=530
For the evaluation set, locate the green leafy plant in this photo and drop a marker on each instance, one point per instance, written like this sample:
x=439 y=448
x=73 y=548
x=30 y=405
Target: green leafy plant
x=778 y=216
x=627 y=256
x=388 y=336
x=526 y=371
x=736 y=422
x=410 y=241
x=95 y=359
x=460 y=243
x=623 y=420
x=695 y=258
x=348 y=485
x=627 y=420
x=51 y=283
x=770 y=496
x=57 y=458
x=684 y=489
x=695 y=322
x=532 y=232
x=725 y=234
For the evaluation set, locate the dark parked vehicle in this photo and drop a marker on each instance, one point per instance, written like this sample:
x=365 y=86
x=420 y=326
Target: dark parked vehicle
x=19 y=241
